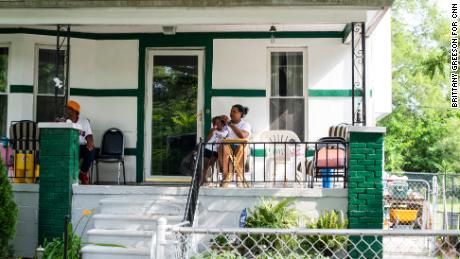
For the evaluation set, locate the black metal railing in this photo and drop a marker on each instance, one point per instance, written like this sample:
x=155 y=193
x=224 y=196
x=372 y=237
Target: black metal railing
x=192 y=198
x=322 y=164
x=20 y=156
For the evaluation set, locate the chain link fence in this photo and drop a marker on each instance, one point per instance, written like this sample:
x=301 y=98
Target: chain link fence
x=201 y=243
x=407 y=203
x=434 y=195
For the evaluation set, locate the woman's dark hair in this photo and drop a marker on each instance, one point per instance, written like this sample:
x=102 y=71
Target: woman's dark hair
x=244 y=110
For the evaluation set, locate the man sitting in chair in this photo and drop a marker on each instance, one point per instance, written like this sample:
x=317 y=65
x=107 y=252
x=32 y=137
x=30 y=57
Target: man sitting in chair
x=87 y=151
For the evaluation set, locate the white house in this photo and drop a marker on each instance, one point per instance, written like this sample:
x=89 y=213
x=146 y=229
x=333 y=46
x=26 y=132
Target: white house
x=160 y=70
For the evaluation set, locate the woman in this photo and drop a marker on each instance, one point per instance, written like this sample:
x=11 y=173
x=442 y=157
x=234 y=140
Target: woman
x=239 y=131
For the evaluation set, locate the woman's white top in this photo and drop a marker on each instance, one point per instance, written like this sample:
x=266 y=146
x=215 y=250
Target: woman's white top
x=243 y=126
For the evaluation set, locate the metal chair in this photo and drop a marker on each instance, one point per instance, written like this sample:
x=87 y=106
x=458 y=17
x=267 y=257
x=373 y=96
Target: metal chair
x=112 y=151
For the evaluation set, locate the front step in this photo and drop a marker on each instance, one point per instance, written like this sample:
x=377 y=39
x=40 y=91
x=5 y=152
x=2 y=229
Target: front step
x=132 y=222
x=169 y=206
x=127 y=238
x=100 y=252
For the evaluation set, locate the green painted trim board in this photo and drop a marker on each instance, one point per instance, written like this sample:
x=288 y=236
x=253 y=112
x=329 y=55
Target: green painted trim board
x=238 y=92
x=213 y=35
x=26 y=89
x=103 y=92
x=332 y=93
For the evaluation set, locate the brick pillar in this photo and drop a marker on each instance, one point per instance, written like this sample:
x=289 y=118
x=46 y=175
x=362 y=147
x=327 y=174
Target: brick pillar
x=58 y=171
x=365 y=189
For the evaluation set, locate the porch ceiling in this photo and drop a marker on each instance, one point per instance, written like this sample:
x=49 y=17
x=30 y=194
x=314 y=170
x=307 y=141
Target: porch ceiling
x=188 y=28
x=242 y=16
x=189 y=3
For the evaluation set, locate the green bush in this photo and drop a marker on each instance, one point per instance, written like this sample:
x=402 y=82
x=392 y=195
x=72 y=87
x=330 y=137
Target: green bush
x=326 y=243
x=8 y=214
x=271 y=214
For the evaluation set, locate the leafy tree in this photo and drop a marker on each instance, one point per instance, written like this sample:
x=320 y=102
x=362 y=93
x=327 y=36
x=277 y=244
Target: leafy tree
x=8 y=213
x=423 y=132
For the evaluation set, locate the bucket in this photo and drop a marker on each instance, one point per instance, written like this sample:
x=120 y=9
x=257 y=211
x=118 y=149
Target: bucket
x=24 y=168
x=326 y=175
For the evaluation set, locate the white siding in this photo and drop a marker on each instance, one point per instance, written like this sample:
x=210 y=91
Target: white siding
x=94 y=64
x=242 y=64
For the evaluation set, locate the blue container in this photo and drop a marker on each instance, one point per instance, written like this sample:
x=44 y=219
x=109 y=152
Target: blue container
x=327 y=179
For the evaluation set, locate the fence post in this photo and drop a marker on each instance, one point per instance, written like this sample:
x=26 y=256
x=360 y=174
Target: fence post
x=160 y=238
x=365 y=188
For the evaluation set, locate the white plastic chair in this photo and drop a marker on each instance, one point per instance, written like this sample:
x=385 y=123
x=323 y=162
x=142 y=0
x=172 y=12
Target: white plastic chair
x=282 y=160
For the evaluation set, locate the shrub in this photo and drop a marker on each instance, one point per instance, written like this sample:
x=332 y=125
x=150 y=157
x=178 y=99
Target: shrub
x=8 y=213
x=272 y=214
x=326 y=243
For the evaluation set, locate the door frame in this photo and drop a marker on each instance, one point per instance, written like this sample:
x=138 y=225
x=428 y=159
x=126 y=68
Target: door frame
x=150 y=53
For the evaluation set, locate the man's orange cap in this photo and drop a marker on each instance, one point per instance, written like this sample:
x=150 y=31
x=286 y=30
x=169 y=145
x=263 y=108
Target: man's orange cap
x=74 y=106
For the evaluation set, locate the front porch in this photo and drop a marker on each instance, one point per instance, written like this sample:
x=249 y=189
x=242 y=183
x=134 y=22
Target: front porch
x=233 y=65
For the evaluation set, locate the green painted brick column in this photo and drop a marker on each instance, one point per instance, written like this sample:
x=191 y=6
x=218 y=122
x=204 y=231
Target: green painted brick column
x=59 y=150
x=365 y=189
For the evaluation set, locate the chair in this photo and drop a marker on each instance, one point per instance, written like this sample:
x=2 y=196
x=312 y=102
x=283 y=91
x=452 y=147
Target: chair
x=286 y=160
x=330 y=156
x=112 y=151
x=24 y=136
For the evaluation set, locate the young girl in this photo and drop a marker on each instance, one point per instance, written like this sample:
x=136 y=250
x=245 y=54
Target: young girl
x=215 y=135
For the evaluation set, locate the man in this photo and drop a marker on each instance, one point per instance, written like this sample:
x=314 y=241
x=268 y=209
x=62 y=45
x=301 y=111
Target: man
x=87 y=151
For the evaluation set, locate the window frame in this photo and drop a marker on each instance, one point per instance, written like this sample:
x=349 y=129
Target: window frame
x=304 y=96
x=36 y=63
x=8 y=81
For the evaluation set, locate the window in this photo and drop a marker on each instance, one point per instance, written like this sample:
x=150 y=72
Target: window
x=287 y=83
x=46 y=106
x=3 y=89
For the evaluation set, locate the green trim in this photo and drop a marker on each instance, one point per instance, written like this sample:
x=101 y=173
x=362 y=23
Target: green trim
x=346 y=32
x=26 y=89
x=239 y=92
x=140 y=113
x=261 y=153
x=103 y=92
x=131 y=151
x=332 y=93
x=202 y=35
x=257 y=152
x=189 y=40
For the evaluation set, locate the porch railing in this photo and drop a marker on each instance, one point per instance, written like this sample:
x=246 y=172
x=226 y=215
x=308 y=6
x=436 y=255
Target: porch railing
x=194 y=190
x=276 y=164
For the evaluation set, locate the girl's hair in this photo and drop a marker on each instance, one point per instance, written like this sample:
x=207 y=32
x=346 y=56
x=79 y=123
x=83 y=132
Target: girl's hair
x=214 y=120
x=244 y=110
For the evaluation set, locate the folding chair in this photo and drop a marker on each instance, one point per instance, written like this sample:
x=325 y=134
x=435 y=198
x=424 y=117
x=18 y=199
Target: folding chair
x=112 y=151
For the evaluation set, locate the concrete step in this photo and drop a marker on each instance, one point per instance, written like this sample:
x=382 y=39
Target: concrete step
x=131 y=222
x=103 y=252
x=170 y=206
x=128 y=238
